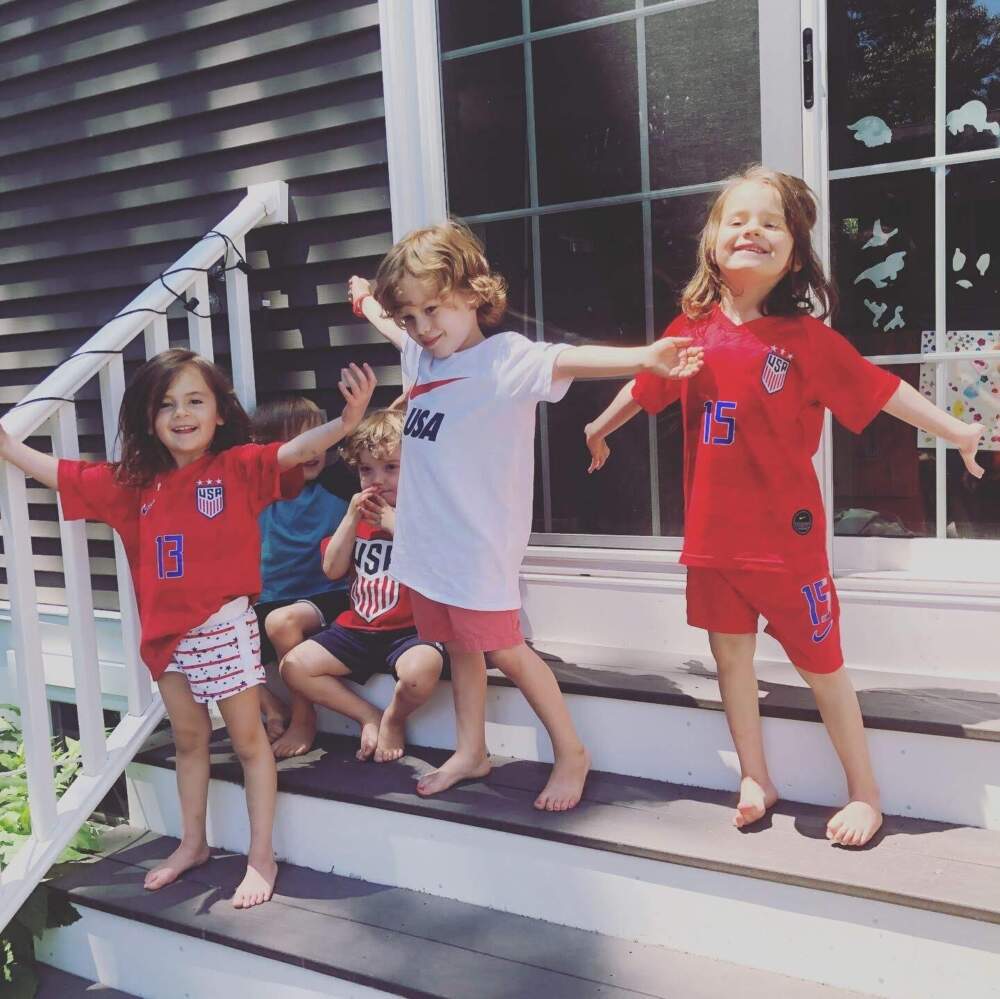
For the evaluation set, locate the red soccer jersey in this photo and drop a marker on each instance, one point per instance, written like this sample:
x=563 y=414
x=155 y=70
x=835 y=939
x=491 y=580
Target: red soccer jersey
x=378 y=602
x=191 y=536
x=752 y=422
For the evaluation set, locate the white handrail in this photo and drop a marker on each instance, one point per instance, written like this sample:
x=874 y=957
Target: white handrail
x=55 y=823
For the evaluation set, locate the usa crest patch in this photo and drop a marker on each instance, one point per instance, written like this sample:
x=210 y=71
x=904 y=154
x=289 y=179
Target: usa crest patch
x=210 y=497
x=776 y=366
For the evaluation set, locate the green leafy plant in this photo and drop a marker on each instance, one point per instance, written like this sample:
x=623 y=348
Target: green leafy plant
x=43 y=909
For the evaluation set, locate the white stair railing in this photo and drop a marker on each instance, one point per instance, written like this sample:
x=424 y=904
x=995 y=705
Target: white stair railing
x=55 y=822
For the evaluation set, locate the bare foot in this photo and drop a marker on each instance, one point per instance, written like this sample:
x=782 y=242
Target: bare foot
x=181 y=860
x=257 y=885
x=855 y=823
x=391 y=738
x=275 y=713
x=453 y=770
x=565 y=784
x=298 y=739
x=369 y=736
x=755 y=800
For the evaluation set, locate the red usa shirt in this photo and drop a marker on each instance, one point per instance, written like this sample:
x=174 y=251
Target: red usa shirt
x=752 y=421
x=378 y=602
x=191 y=536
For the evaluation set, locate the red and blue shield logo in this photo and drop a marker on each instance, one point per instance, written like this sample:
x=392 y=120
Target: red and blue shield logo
x=210 y=497
x=775 y=369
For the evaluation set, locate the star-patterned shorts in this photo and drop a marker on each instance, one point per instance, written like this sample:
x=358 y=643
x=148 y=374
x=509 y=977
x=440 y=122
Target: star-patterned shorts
x=222 y=656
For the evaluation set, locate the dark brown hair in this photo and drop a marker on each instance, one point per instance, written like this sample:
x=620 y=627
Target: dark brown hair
x=447 y=257
x=804 y=286
x=282 y=419
x=143 y=456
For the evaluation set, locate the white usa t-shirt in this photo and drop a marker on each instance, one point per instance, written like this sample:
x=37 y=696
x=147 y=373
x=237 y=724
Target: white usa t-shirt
x=463 y=507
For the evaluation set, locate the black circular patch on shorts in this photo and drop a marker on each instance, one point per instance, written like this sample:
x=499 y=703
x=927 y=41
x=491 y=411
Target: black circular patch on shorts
x=802 y=521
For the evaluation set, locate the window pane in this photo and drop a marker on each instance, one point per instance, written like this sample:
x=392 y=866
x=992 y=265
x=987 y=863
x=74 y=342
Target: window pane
x=973 y=246
x=463 y=23
x=882 y=238
x=973 y=119
x=484 y=120
x=549 y=13
x=883 y=483
x=592 y=288
x=587 y=114
x=677 y=225
x=881 y=81
x=508 y=249
x=703 y=86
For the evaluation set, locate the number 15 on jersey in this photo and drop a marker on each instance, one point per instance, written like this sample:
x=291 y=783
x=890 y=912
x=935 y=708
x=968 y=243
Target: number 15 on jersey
x=718 y=425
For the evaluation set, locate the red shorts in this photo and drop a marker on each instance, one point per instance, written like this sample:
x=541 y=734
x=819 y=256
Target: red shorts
x=465 y=630
x=802 y=610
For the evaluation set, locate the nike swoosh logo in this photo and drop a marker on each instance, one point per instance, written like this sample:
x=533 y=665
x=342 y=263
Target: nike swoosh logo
x=818 y=636
x=430 y=386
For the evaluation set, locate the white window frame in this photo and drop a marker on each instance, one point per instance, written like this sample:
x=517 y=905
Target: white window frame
x=938 y=560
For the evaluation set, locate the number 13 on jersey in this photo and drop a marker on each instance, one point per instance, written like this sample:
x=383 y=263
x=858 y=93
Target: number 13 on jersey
x=718 y=425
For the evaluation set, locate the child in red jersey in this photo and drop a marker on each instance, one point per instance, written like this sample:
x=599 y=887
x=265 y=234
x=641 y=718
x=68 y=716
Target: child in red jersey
x=754 y=540
x=184 y=498
x=376 y=633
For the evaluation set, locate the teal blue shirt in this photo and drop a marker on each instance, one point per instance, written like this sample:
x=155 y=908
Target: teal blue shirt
x=290 y=533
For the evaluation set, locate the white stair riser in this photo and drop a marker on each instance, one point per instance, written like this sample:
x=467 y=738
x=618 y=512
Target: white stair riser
x=160 y=964
x=805 y=933
x=906 y=633
x=692 y=746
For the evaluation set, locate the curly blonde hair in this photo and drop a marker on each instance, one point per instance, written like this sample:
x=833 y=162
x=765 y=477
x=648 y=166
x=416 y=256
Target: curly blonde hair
x=379 y=433
x=802 y=288
x=447 y=257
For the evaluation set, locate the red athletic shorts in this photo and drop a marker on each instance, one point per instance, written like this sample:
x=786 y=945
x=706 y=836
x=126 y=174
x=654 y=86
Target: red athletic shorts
x=802 y=610
x=463 y=629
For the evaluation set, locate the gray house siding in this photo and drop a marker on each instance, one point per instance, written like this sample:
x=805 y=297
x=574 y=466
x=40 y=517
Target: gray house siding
x=127 y=129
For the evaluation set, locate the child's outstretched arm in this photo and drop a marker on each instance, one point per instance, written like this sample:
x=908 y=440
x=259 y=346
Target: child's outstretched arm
x=620 y=410
x=668 y=357
x=356 y=386
x=42 y=467
x=359 y=291
x=908 y=405
x=340 y=550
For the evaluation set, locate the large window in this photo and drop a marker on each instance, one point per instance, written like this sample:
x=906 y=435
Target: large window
x=584 y=140
x=914 y=185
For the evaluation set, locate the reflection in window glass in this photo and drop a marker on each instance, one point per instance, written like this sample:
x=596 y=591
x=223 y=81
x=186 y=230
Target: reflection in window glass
x=677 y=225
x=882 y=93
x=703 y=86
x=463 y=23
x=592 y=266
x=883 y=483
x=484 y=121
x=508 y=249
x=973 y=246
x=882 y=242
x=973 y=119
x=587 y=114
x=550 y=13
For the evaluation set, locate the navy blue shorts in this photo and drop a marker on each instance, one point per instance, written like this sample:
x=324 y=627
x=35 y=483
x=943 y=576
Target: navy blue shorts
x=366 y=653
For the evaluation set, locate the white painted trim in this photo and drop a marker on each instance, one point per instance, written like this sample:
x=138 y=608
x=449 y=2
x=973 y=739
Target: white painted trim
x=780 y=45
x=411 y=88
x=156 y=963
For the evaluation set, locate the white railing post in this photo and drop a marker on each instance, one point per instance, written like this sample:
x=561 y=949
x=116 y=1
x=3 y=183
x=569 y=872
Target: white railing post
x=199 y=323
x=157 y=336
x=240 y=342
x=112 y=378
x=27 y=651
x=80 y=602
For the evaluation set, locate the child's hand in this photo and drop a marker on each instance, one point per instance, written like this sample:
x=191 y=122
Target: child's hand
x=598 y=448
x=356 y=508
x=968 y=444
x=673 y=357
x=379 y=513
x=356 y=386
x=357 y=289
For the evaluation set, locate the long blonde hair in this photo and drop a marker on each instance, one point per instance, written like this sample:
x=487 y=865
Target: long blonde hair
x=802 y=289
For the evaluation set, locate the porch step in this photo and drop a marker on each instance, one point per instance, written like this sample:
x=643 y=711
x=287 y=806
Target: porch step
x=640 y=860
x=347 y=934
x=661 y=717
x=56 y=984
